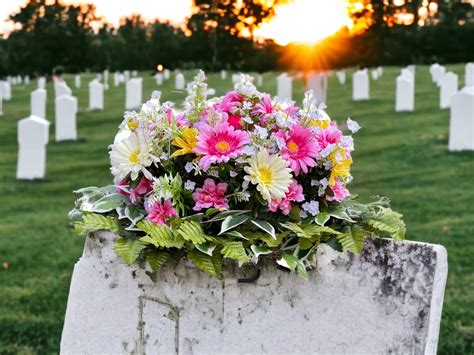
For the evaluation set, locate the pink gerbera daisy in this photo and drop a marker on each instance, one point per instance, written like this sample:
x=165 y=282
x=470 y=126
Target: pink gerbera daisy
x=219 y=144
x=211 y=195
x=329 y=135
x=160 y=212
x=300 y=149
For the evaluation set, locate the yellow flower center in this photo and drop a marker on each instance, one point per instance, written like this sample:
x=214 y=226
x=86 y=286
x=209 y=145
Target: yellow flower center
x=222 y=146
x=265 y=176
x=292 y=147
x=134 y=157
x=132 y=125
x=320 y=123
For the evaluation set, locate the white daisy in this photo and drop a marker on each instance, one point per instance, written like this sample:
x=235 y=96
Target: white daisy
x=270 y=173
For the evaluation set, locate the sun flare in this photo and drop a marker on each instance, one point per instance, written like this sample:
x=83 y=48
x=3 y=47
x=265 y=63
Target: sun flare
x=306 y=21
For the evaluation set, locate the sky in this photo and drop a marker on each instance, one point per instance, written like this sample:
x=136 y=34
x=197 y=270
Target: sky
x=113 y=10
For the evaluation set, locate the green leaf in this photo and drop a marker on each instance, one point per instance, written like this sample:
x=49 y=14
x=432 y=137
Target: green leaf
x=192 y=231
x=156 y=258
x=322 y=218
x=305 y=243
x=194 y=217
x=301 y=270
x=257 y=250
x=391 y=222
x=223 y=215
x=94 y=222
x=352 y=239
x=237 y=235
x=265 y=226
x=161 y=236
x=205 y=262
x=206 y=248
x=128 y=250
x=134 y=213
x=236 y=251
x=341 y=214
x=232 y=221
x=108 y=203
x=273 y=242
x=309 y=230
x=288 y=261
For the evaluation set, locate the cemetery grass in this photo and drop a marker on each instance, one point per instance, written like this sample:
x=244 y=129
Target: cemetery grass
x=401 y=155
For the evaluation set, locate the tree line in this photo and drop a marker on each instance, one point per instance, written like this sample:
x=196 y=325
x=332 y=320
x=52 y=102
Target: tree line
x=219 y=34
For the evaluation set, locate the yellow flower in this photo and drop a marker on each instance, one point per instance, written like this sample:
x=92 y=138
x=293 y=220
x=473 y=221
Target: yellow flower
x=323 y=123
x=341 y=165
x=186 y=142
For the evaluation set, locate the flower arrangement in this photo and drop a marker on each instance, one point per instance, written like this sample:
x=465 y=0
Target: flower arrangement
x=233 y=177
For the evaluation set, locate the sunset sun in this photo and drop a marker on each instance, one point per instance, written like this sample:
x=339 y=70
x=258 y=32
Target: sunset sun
x=305 y=21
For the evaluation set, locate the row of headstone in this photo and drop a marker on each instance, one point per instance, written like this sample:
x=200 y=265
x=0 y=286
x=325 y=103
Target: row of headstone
x=437 y=72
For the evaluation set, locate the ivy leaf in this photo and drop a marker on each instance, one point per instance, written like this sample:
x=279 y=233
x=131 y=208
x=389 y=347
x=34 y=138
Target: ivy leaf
x=257 y=250
x=134 y=213
x=265 y=226
x=288 y=261
x=156 y=258
x=237 y=235
x=341 y=214
x=192 y=231
x=206 y=248
x=108 y=203
x=301 y=270
x=205 y=262
x=232 y=221
x=93 y=222
x=128 y=250
x=236 y=251
x=223 y=215
x=322 y=218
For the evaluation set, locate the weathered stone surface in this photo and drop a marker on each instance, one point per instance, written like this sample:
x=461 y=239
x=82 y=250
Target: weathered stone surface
x=386 y=300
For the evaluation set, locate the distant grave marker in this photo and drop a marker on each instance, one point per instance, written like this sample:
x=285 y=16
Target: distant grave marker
x=38 y=103
x=448 y=87
x=133 y=93
x=284 y=86
x=65 y=118
x=96 y=95
x=461 y=126
x=360 y=85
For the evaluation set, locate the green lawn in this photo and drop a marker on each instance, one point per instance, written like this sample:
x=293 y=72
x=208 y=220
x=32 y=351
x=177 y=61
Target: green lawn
x=400 y=155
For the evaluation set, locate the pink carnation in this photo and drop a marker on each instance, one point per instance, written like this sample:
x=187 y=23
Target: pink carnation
x=219 y=144
x=329 y=135
x=339 y=190
x=264 y=107
x=300 y=149
x=160 y=212
x=230 y=102
x=295 y=193
x=142 y=189
x=211 y=195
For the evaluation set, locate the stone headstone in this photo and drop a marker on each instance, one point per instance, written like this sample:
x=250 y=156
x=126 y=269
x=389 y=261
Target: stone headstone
x=38 y=103
x=318 y=82
x=96 y=95
x=448 y=87
x=166 y=74
x=1 y=98
x=235 y=78
x=375 y=74
x=159 y=79
x=105 y=76
x=405 y=93
x=386 y=300
x=19 y=79
x=284 y=86
x=437 y=72
x=6 y=90
x=66 y=110
x=469 y=74
x=341 y=77
x=179 y=82
x=134 y=74
x=61 y=89
x=223 y=74
x=27 y=80
x=77 y=81
x=126 y=75
x=408 y=73
x=14 y=81
x=461 y=126
x=116 y=79
x=41 y=82
x=360 y=85
x=33 y=136
x=259 y=80
x=133 y=93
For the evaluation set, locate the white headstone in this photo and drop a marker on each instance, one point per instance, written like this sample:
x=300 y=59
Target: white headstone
x=259 y=80
x=380 y=70
x=469 y=74
x=386 y=300
x=284 y=86
x=116 y=79
x=235 y=78
x=33 y=136
x=126 y=75
x=437 y=72
x=38 y=103
x=14 y=81
x=360 y=85
x=448 y=87
x=27 y=80
x=6 y=90
x=66 y=110
x=41 y=82
x=341 y=77
x=77 y=81
x=19 y=79
x=96 y=95
x=179 y=82
x=461 y=126
x=405 y=93
x=133 y=93
x=61 y=89
x=319 y=84
x=166 y=74
x=223 y=74
x=105 y=76
x=408 y=73
x=159 y=79
x=375 y=74
x=134 y=73
x=1 y=98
